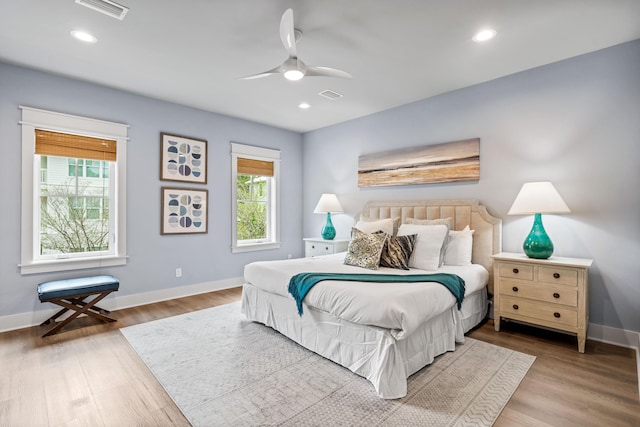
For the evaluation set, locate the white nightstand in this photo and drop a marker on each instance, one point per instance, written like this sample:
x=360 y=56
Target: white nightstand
x=314 y=246
x=550 y=292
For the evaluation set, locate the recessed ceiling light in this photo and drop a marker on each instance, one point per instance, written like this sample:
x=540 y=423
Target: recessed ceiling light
x=304 y=105
x=84 y=36
x=484 y=35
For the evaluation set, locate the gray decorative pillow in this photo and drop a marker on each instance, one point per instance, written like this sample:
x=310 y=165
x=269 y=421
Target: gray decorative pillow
x=365 y=249
x=397 y=251
x=370 y=225
x=438 y=221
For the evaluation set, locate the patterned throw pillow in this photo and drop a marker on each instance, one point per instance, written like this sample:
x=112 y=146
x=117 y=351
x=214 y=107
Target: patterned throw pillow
x=365 y=249
x=397 y=251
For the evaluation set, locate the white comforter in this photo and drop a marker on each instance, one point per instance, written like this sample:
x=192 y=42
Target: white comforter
x=400 y=307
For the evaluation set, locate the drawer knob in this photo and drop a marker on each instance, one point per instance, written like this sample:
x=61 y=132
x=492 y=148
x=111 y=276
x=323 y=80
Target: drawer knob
x=556 y=295
x=556 y=275
x=326 y=248
x=515 y=306
x=313 y=246
x=556 y=315
x=516 y=271
x=515 y=289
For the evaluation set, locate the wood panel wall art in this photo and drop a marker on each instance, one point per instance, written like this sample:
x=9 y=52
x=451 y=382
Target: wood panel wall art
x=447 y=162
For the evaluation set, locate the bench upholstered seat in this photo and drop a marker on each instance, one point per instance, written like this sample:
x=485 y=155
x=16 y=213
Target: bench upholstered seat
x=80 y=285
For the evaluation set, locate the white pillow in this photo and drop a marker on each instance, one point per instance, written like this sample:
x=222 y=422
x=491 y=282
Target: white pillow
x=445 y=221
x=369 y=227
x=426 y=253
x=458 y=248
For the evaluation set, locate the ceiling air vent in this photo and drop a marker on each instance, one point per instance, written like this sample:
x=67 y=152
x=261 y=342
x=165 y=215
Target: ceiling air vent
x=329 y=94
x=107 y=7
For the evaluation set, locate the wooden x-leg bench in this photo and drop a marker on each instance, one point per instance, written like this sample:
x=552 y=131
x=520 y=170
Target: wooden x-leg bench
x=72 y=294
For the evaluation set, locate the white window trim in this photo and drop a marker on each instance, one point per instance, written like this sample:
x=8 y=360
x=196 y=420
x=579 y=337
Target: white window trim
x=33 y=119
x=257 y=153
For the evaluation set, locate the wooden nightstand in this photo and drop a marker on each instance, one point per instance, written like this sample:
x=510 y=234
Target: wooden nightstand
x=550 y=292
x=314 y=246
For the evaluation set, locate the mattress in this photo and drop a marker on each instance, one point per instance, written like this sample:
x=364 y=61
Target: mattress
x=400 y=308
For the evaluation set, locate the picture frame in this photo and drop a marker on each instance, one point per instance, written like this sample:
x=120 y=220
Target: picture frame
x=445 y=162
x=183 y=159
x=184 y=211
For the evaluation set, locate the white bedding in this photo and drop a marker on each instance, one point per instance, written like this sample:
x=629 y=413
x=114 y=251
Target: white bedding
x=399 y=307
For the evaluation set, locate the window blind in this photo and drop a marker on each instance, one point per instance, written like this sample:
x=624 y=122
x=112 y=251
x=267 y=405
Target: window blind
x=82 y=147
x=254 y=167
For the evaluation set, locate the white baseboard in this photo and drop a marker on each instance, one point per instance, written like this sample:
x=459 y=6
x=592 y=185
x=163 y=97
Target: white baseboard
x=620 y=337
x=609 y=335
x=32 y=318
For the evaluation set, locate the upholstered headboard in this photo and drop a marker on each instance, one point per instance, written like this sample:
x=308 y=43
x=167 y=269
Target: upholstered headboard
x=487 y=237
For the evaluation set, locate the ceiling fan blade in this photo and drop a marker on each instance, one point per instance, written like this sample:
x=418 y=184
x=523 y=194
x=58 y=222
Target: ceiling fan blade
x=287 y=32
x=326 y=72
x=267 y=73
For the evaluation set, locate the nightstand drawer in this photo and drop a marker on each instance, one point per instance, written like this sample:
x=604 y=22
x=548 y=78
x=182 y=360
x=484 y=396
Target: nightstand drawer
x=516 y=271
x=563 y=276
x=564 y=295
x=549 y=313
x=317 y=248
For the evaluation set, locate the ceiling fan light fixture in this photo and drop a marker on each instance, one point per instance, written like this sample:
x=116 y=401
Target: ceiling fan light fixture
x=294 y=69
x=293 y=75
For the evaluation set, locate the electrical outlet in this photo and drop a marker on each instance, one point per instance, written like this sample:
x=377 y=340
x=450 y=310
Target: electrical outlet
x=178 y=272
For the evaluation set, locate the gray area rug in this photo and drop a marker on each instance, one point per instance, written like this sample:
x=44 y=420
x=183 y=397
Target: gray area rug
x=221 y=369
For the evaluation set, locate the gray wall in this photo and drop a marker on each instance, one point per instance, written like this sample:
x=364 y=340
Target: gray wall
x=575 y=123
x=153 y=258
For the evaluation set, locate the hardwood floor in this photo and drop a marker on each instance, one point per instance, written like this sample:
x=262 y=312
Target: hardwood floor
x=90 y=376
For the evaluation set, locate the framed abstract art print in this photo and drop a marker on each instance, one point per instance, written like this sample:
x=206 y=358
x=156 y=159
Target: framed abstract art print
x=183 y=159
x=184 y=211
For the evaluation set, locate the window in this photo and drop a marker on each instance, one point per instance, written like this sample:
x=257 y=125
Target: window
x=255 y=198
x=74 y=193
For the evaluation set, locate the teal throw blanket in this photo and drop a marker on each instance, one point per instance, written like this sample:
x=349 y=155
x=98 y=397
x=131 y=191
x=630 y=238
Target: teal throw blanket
x=301 y=283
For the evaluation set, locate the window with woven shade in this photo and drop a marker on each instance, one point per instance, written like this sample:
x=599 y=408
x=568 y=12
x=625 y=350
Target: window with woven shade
x=255 y=192
x=73 y=167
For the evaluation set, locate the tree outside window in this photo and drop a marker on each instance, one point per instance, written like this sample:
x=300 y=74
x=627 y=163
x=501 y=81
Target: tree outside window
x=255 y=193
x=252 y=207
x=74 y=209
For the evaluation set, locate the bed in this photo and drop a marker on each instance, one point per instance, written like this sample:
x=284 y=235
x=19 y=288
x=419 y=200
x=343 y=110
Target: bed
x=348 y=323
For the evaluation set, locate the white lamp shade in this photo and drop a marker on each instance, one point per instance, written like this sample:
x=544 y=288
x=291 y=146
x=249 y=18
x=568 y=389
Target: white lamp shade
x=538 y=197
x=328 y=203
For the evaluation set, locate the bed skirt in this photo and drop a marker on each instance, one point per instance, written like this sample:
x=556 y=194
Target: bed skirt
x=368 y=351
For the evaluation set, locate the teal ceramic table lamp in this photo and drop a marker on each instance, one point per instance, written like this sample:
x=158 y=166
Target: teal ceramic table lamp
x=537 y=198
x=328 y=203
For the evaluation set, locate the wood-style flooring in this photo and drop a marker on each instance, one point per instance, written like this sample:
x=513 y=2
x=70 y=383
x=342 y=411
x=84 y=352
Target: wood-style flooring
x=90 y=376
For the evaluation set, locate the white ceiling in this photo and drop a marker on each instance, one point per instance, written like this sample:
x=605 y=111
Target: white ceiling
x=192 y=52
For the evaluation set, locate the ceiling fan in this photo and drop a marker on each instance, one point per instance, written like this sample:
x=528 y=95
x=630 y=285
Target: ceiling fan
x=293 y=68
